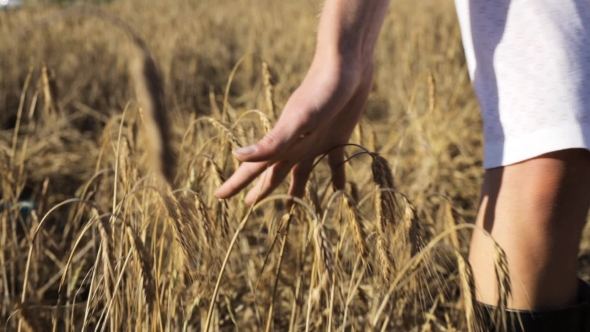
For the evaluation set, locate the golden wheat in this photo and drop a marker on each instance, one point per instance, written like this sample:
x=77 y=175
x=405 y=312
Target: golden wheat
x=175 y=257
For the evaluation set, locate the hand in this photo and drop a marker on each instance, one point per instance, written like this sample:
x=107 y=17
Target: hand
x=319 y=116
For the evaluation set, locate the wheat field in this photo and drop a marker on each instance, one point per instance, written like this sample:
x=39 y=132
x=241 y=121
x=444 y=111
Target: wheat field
x=117 y=124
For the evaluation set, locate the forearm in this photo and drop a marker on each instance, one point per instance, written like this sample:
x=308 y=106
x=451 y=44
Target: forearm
x=349 y=29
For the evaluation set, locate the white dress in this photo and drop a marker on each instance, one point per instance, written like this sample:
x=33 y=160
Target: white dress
x=529 y=61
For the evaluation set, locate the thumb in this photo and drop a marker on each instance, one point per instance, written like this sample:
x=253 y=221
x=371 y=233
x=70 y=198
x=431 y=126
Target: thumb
x=282 y=136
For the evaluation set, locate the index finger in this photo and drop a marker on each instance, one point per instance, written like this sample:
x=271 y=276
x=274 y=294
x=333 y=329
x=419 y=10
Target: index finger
x=245 y=174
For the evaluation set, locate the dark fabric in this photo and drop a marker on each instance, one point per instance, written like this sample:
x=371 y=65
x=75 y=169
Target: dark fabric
x=575 y=318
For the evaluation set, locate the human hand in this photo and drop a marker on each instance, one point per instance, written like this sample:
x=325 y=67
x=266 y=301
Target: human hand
x=318 y=118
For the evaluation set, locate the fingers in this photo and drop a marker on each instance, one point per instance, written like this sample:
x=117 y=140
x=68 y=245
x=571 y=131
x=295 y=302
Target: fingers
x=275 y=175
x=336 y=162
x=287 y=131
x=268 y=181
x=300 y=176
x=245 y=174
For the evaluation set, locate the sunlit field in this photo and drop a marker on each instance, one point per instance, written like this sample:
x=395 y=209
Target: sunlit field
x=117 y=124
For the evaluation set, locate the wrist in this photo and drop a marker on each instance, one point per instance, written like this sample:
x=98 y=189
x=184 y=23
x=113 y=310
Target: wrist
x=345 y=51
x=343 y=61
x=348 y=29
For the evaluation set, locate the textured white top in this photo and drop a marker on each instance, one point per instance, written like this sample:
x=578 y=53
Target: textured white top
x=529 y=61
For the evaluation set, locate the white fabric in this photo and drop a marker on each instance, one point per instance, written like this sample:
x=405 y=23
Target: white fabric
x=529 y=61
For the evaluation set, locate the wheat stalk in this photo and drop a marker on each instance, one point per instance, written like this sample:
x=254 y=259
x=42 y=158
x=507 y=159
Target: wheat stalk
x=386 y=260
x=107 y=252
x=50 y=95
x=385 y=204
x=467 y=285
x=431 y=93
x=189 y=230
x=145 y=265
x=385 y=209
x=358 y=231
x=504 y=286
x=324 y=255
x=416 y=230
x=268 y=82
x=225 y=131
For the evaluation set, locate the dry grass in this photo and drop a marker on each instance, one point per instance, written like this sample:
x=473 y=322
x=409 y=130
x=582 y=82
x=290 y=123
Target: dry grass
x=116 y=248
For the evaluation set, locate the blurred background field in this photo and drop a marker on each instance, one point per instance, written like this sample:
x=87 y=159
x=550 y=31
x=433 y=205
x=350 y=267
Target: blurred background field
x=196 y=46
x=131 y=255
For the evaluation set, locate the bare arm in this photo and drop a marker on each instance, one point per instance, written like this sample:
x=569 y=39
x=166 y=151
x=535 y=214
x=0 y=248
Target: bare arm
x=322 y=113
x=351 y=27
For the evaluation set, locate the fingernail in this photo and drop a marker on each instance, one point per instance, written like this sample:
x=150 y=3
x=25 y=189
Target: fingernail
x=245 y=151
